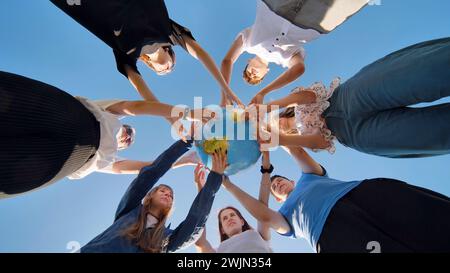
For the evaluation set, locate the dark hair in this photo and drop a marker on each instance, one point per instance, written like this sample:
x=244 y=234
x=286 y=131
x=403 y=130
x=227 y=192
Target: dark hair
x=288 y=112
x=223 y=235
x=172 y=55
x=130 y=132
x=273 y=177
x=250 y=80
x=150 y=240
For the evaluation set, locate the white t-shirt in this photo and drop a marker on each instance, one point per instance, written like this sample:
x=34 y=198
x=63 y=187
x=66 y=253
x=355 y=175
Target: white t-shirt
x=274 y=38
x=110 y=125
x=249 y=241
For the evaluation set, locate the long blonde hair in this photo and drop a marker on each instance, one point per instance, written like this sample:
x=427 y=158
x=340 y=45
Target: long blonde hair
x=151 y=240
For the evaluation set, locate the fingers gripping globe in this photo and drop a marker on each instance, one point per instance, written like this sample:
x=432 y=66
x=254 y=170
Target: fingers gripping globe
x=230 y=131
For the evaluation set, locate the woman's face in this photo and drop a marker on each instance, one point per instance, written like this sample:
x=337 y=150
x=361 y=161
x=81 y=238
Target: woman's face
x=231 y=222
x=163 y=198
x=287 y=125
x=160 y=61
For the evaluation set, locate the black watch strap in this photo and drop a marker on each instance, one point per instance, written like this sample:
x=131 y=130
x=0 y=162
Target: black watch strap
x=269 y=170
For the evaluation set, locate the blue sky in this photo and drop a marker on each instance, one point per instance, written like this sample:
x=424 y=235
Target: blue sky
x=41 y=42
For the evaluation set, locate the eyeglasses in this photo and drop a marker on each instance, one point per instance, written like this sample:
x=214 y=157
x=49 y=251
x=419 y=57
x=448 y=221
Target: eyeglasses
x=131 y=133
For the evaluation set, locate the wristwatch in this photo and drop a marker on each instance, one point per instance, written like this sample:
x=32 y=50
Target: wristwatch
x=269 y=170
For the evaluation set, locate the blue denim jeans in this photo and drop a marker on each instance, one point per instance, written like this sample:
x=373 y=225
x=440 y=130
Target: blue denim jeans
x=372 y=113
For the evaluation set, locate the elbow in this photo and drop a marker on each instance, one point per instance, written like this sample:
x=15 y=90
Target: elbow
x=265 y=218
x=226 y=62
x=265 y=221
x=226 y=65
x=116 y=169
x=298 y=69
x=124 y=108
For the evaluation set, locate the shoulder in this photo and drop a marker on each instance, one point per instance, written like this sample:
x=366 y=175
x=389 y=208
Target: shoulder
x=305 y=176
x=244 y=35
x=179 y=31
x=297 y=58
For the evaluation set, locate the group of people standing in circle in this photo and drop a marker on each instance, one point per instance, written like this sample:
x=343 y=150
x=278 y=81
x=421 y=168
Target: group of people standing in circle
x=57 y=135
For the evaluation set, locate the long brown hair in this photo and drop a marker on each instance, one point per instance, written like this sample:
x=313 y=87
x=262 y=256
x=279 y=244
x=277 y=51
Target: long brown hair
x=149 y=239
x=223 y=235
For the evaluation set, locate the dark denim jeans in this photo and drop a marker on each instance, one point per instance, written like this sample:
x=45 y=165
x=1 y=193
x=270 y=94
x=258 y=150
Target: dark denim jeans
x=372 y=112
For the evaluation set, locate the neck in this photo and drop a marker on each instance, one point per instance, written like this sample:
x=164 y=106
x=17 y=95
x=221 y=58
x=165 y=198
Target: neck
x=151 y=221
x=154 y=212
x=261 y=60
x=235 y=233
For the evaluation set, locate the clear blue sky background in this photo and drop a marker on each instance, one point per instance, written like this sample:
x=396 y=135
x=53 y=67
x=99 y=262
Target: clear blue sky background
x=39 y=41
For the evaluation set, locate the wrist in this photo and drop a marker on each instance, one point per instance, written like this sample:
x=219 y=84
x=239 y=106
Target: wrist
x=268 y=170
x=217 y=172
x=225 y=183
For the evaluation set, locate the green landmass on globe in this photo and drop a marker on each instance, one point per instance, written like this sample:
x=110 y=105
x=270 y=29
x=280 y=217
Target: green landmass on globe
x=231 y=132
x=209 y=146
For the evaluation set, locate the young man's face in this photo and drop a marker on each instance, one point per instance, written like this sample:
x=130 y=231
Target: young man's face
x=281 y=188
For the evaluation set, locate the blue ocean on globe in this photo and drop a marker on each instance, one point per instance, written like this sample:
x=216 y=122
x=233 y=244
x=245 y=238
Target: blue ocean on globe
x=243 y=149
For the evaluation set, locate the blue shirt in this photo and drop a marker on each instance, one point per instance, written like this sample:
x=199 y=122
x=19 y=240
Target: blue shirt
x=308 y=205
x=113 y=239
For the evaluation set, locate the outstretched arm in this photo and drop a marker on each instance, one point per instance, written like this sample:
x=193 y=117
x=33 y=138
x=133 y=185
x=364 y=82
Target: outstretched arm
x=258 y=209
x=295 y=98
x=228 y=61
x=144 y=91
x=149 y=176
x=126 y=167
x=230 y=58
x=316 y=141
x=276 y=138
x=202 y=244
x=264 y=194
x=296 y=69
x=304 y=160
x=189 y=230
x=153 y=108
x=199 y=53
x=139 y=84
